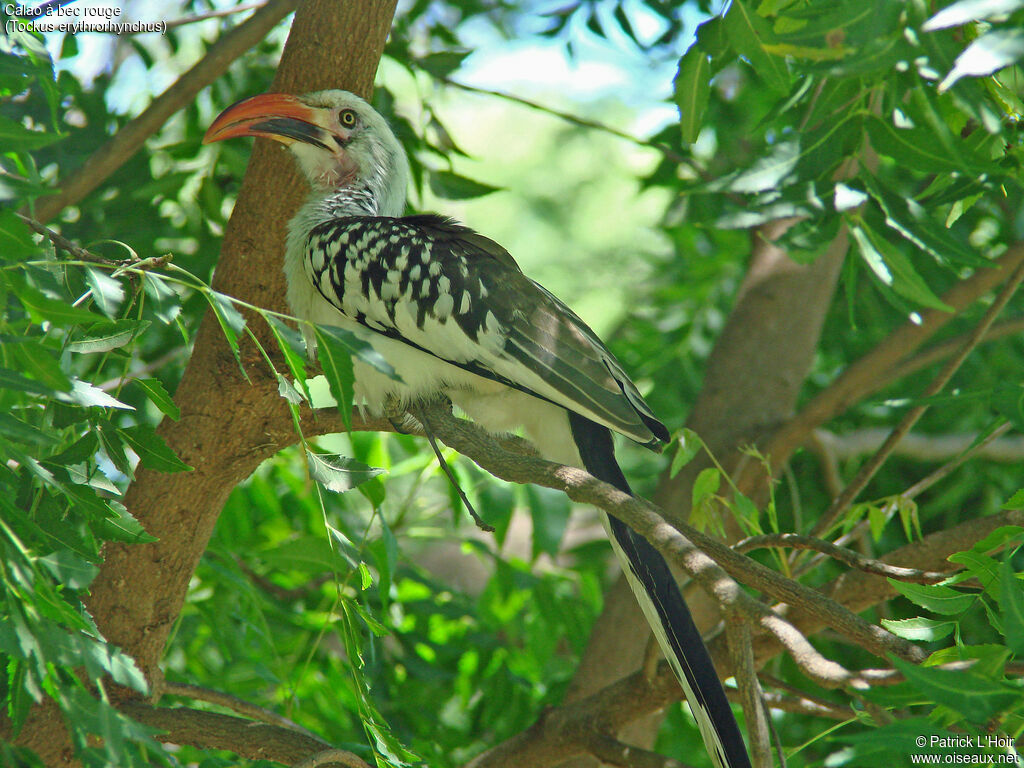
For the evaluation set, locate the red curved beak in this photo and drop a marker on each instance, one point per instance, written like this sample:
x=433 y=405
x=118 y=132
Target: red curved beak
x=272 y=115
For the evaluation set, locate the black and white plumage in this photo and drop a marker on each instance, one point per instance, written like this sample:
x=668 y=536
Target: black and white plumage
x=453 y=314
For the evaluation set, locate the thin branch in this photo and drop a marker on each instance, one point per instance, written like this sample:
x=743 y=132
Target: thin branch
x=759 y=734
x=696 y=553
x=917 y=446
x=868 y=470
x=941 y=351
x=843 y=555
x=254 y=741
x=127 y=141
x=925 y=483
x=62 y=243
x=212 y=15
x=332 y=757
x=611 y=751
x=583 y=122
x=868 y=373
x=235 y=704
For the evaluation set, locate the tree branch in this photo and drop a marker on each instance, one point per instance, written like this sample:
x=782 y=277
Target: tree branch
x=868 y=470
x=127 y=141
x=846 y=556
x=862 y=377
x=254 y=741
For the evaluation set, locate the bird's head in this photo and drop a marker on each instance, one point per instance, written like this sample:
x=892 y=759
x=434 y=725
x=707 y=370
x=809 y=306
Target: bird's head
x=337 y=138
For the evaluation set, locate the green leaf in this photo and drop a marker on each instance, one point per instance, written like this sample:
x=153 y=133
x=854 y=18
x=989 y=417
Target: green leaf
x=704 y=489
x=309 y=554
x=122 y=526
x=69 y=569
x=231 y=321
x=1012 y=604
x=336 y=362
x=16 y=137
x=106 y=291
x=451 y=186
x=157 y=395
x=966 y=11
x=687 y=446
x=978 y=566
x=989 y=53
x=749 y=34
x=977 y=698
x=917 y=148
x=365 y=577
x=154 y=453
x=692 y=89
x=41 y=364
x=15 y=238
x=85 y=394
x=358 y=348
x=15 y=429
x=13 y=380
x=339 y=473
x=913 y=221
x=44 y=309
x=894 y=269
x=441 y=64
x=1014 y=502
x=290 y=344
x=107 y=335
x=933 y=597
x=919 y=629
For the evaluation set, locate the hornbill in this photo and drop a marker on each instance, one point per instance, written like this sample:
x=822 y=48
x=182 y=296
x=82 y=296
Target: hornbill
x=453 y=314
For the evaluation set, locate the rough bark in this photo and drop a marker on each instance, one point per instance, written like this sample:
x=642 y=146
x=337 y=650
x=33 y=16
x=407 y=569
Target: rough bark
x=227 y=426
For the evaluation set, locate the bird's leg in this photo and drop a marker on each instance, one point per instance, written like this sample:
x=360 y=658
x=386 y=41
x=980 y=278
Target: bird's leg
x=422 y=416
x=395 y=413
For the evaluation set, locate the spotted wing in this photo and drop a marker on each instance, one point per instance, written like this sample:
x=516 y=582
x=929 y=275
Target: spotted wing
x=459 y=296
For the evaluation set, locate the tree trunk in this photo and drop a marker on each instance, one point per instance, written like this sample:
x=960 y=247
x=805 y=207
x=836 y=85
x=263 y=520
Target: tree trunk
x=227 y=426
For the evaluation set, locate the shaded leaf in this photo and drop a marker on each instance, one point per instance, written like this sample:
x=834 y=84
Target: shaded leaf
x=153 y=452
x=1012 y=603
x=106 y=291
x=452 y=186
x=692 y=89
x=936 y=598
x=894 y=269
x=749 y=34
x=974 y=696
x=159 y=396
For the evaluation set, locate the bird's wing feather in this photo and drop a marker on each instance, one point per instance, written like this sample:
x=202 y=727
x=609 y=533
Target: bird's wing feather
x=449 y=291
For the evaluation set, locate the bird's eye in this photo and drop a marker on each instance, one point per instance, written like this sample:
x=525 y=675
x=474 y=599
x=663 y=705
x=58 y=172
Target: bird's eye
x=347 y=117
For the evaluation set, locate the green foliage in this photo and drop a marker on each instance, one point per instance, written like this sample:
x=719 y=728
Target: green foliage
x=895 y=123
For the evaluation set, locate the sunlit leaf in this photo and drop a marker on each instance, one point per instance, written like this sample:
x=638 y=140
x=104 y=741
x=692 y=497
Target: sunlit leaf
x=692 y=87
x=966 y=11
x=339 y=473
x=105 y=336
x=989 y=53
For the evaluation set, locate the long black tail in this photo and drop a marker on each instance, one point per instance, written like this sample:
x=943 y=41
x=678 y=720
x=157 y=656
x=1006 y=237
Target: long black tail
x=662 y=603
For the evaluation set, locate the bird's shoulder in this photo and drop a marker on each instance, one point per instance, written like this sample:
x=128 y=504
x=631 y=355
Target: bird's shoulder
x=443 y=234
